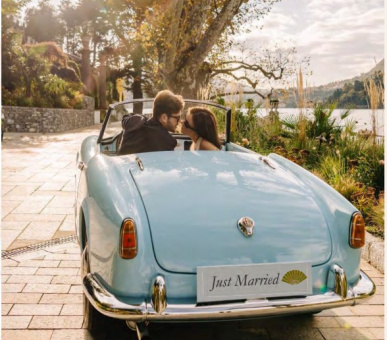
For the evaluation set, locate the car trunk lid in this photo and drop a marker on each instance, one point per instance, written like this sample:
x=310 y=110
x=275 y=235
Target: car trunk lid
x=195 y=199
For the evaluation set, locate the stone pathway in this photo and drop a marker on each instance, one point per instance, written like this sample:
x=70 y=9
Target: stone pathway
x=42 y=300
x=41 y=289
x=37 y=186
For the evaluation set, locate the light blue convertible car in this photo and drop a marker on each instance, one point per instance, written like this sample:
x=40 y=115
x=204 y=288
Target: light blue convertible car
x=179 y=236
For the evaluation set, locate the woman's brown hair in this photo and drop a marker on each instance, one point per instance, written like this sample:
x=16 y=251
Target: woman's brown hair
x=205 y=124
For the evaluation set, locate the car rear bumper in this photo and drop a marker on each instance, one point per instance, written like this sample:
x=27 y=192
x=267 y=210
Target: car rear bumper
x=160 y=310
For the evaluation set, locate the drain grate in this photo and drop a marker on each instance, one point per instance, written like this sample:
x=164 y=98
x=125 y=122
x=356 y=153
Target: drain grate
x=5 y=254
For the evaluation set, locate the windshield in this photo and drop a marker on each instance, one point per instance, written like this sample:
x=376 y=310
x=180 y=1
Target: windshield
x=112 y=125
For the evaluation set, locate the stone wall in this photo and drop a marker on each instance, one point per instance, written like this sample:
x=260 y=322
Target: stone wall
x=373 y=252
x=45 y=120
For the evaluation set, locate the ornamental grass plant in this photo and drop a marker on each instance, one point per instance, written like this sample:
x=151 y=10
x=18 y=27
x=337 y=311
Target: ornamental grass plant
x=351 y=162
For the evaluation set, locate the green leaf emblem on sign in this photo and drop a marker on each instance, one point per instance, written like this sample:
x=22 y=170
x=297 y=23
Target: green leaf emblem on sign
x=294 y=277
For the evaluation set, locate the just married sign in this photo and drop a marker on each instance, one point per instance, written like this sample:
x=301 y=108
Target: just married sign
x=227 y=283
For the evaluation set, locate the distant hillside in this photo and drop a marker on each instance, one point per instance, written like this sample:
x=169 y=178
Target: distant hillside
x=351 y=89
x=325 y=92
x=378 y=67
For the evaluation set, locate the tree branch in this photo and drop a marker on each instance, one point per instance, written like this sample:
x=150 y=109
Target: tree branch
x=251 y=67
x=244 y=92
x=214 y=30
x=248 y=80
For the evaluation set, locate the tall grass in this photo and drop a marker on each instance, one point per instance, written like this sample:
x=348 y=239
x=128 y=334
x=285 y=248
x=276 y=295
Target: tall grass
x=375 y=94
x=348 y=161
x=333 y=170
x=302 y=115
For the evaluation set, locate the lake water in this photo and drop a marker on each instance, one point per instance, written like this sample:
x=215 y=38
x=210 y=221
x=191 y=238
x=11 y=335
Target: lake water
x=361 y=117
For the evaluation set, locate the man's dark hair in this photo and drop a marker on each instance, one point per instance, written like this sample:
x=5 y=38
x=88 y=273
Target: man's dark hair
x=168 y=103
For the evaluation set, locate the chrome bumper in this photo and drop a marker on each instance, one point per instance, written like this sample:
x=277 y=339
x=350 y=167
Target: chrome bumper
x=159 y=310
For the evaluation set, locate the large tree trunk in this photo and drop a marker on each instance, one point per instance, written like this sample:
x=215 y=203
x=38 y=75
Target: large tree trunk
x=86 y=75
x=190 y=82
x=189 y=42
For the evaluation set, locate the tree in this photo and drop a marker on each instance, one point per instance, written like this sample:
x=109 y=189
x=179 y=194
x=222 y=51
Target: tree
x=35 y=85
x=71 y=20
x=12 y=7
x=259 y=72
x=94 y=23
x=358 y=85
x=184 y=38
x=126 y=18
x=9 y=23
x=42 y=24
x=179 y=44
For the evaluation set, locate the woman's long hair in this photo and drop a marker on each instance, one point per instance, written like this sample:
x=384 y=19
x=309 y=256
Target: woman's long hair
x=205 y=124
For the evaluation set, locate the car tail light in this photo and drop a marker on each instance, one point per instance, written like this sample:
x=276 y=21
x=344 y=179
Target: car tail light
x=357 y=231
x=128 y=244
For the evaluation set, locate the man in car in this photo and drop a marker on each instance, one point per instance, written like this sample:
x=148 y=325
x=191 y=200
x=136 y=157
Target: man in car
x=146 y=135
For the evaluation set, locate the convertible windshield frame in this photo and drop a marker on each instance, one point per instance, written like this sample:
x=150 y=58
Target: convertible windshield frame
x=150 y=100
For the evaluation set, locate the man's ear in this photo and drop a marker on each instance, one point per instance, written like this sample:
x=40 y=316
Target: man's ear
x=163 y=119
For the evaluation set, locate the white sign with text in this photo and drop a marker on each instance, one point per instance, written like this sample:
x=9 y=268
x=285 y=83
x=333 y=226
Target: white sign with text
x=227 y=283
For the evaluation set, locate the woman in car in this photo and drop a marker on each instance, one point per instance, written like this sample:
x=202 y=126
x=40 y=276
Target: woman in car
x=200 y=124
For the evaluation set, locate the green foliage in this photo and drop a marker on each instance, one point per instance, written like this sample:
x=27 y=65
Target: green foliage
x=370 y=170
x=323 y=124
x=11 y=7
x=30 y=82
x=355 y=94
x=42 y=23
x=74 y=66
x=335 y=172
x=377 y=218
x=346 y=160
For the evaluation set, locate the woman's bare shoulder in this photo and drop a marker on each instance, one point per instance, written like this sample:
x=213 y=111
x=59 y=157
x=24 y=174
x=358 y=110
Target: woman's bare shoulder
x=206 y=145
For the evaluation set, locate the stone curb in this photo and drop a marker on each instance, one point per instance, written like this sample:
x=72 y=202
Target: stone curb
x=373 y=252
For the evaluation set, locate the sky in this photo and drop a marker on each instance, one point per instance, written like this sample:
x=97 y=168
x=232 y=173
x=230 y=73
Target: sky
x=343 y=38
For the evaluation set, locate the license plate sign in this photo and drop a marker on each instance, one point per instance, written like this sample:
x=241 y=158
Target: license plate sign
x=227 y=283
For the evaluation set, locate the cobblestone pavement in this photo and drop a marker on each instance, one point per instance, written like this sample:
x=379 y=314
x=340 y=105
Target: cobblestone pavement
x=41 y=290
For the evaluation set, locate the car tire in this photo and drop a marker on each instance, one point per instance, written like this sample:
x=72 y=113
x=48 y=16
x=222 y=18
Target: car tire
x=93 y=321
x=312 y=313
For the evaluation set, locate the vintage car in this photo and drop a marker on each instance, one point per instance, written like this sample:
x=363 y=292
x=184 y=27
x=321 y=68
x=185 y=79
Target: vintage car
x=180 y=236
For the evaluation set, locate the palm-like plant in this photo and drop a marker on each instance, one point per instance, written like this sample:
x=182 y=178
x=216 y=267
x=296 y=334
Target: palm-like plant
x=323 y=124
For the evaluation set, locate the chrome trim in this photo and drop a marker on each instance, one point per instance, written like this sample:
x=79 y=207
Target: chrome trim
x=139 y=163
x=151 y=100
x=159 y=294
x=108 y=304
x=341 y=285
x=266 y=161
x=364 y=288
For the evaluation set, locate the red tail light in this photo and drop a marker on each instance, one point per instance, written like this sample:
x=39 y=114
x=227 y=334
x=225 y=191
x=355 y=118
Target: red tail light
x=128 y=244
x=357 y=231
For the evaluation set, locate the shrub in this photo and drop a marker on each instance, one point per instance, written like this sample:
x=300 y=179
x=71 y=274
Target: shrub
x=33 y=84
x=349 y=162
x=333 y=171
x=370 y=169
x=376 y=226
